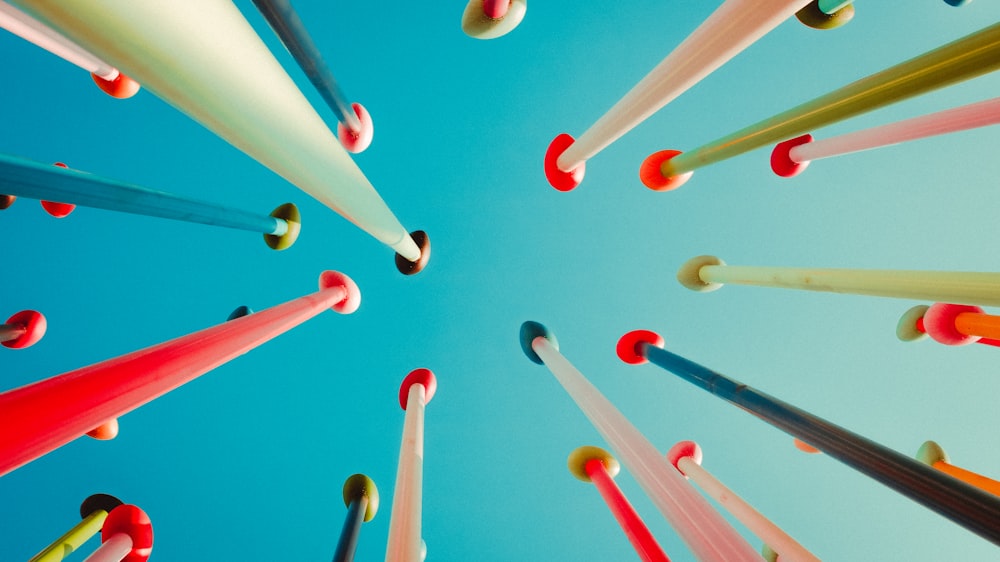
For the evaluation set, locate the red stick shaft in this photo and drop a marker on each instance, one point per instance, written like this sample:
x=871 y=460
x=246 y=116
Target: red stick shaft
x=43 y=416
x=635 y=529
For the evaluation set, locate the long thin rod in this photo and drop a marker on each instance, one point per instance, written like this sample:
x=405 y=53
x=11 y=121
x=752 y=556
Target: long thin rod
x=403 y=544
x=704 y=531
x=970 y=507
x=733 y=27
x=36 y=32
x=349 y=534
x=115 y=549
x=54 y=411
x=963 y=118
x=635 y=528
x=25 y=178
x=183 y=52
x=72 y=539
x=288 y=26
x=971 y=56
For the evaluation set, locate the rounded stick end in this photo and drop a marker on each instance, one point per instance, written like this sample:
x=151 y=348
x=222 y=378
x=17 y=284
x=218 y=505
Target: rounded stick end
x=134 y=522
x=418 y=376
x=684 y=449
x=560 y=180
x=781 y=161
x=357 y=141
x=6 y=201
x=651 y=172
x=939 y=323
x=688 y=274
x=629 y=346
x=34 y=325
x=815 y=18
x=290 y=214
x=104 y=502
x=480 y=19
x=423 y=242
x=106 y=431
x=122 y=87
x=578 y=459
x=930 y=453
x=531 y=330
x=358 y=486
x=351 y=302
x=906 y=328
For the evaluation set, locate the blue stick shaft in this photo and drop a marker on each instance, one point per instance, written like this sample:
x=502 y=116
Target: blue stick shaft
x=970 y=507
x=51 y=183
x=348 y=542
x=288 y=26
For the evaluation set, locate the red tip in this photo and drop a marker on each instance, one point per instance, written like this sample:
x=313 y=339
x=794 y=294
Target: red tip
x=134 y=522
x=781 y=161
x=58 y=210
x=418 y=376
x=357 y=141
x=562 y=181
x=495 y=9
x=939 y=323
x=651 y=175
x=6 y=201
x=350 y=303
x=684 y=449
x=121 y=87
x=34 y=328
x=629 y=349
x=106 y=431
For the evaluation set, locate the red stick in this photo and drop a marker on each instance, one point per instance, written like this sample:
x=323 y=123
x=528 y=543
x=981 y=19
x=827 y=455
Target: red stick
x=43 y=416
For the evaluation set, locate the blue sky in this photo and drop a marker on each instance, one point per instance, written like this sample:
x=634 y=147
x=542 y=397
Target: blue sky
x=248 y=461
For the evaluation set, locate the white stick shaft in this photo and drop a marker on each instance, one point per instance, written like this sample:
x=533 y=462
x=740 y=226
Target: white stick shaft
x=962 y=118
x=939 y=286
x=733 y=27
x=707 y=535
x=36 y=32
x=183 y=51
x=114 y=549
x=772 y=535
x=403 y=544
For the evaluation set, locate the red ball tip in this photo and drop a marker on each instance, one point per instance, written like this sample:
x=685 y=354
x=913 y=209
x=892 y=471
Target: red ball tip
x=628 y=346
x=34 y=325
x=418 y=376
x=106 y=431
x=651 y=174
x=781 y=161
x=684 y=449
x=495 y=9
x=121 y=87
x=357 y=141
x=562 y=181
x=351 y=302
x=134 y=522
x=58 y=210
x=939 y=323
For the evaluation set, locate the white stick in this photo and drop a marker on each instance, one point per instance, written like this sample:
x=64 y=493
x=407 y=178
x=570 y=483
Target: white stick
x=404 y=540
x=36 y=32
x=733 y=27
x=183 y=51
x=707 y=535
x=117 y=547
x=772 y=535
x=707 y=273
x=949 y=121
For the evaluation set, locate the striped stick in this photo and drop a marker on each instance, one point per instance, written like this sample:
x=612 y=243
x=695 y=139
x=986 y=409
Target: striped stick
x=733 y=27
x=708 y=273
x=968 y=57
x=686 y=457
x=404 y=543
x=594 y=464
x=107 y=77
x=54 y=411
x=789 y=158
x=355 y=129
x=704 y=531
x=967 y=506
x=25 y=178
x=182 y=52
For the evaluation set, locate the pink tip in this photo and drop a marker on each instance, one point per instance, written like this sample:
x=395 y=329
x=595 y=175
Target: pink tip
x=357 y=141
x=562 y=181
x=684 y=449
x=106 y=431
x=121 y=87
x=331 y=279
x=495 y=9
x=628 y=347
x=132 y=521
x=939 y=323
x=651 y=174
x=34 y=325
x=418 y=376
x=781 y=161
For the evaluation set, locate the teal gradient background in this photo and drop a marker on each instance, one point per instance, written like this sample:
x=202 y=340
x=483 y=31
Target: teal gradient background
x=248 y=461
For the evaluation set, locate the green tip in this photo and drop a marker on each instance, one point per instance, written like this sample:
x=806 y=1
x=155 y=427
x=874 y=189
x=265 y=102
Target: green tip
x=358 y=486
x=290 y=214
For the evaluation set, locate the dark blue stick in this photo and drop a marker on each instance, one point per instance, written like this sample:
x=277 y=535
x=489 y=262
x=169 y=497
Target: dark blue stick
x=361 y=498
